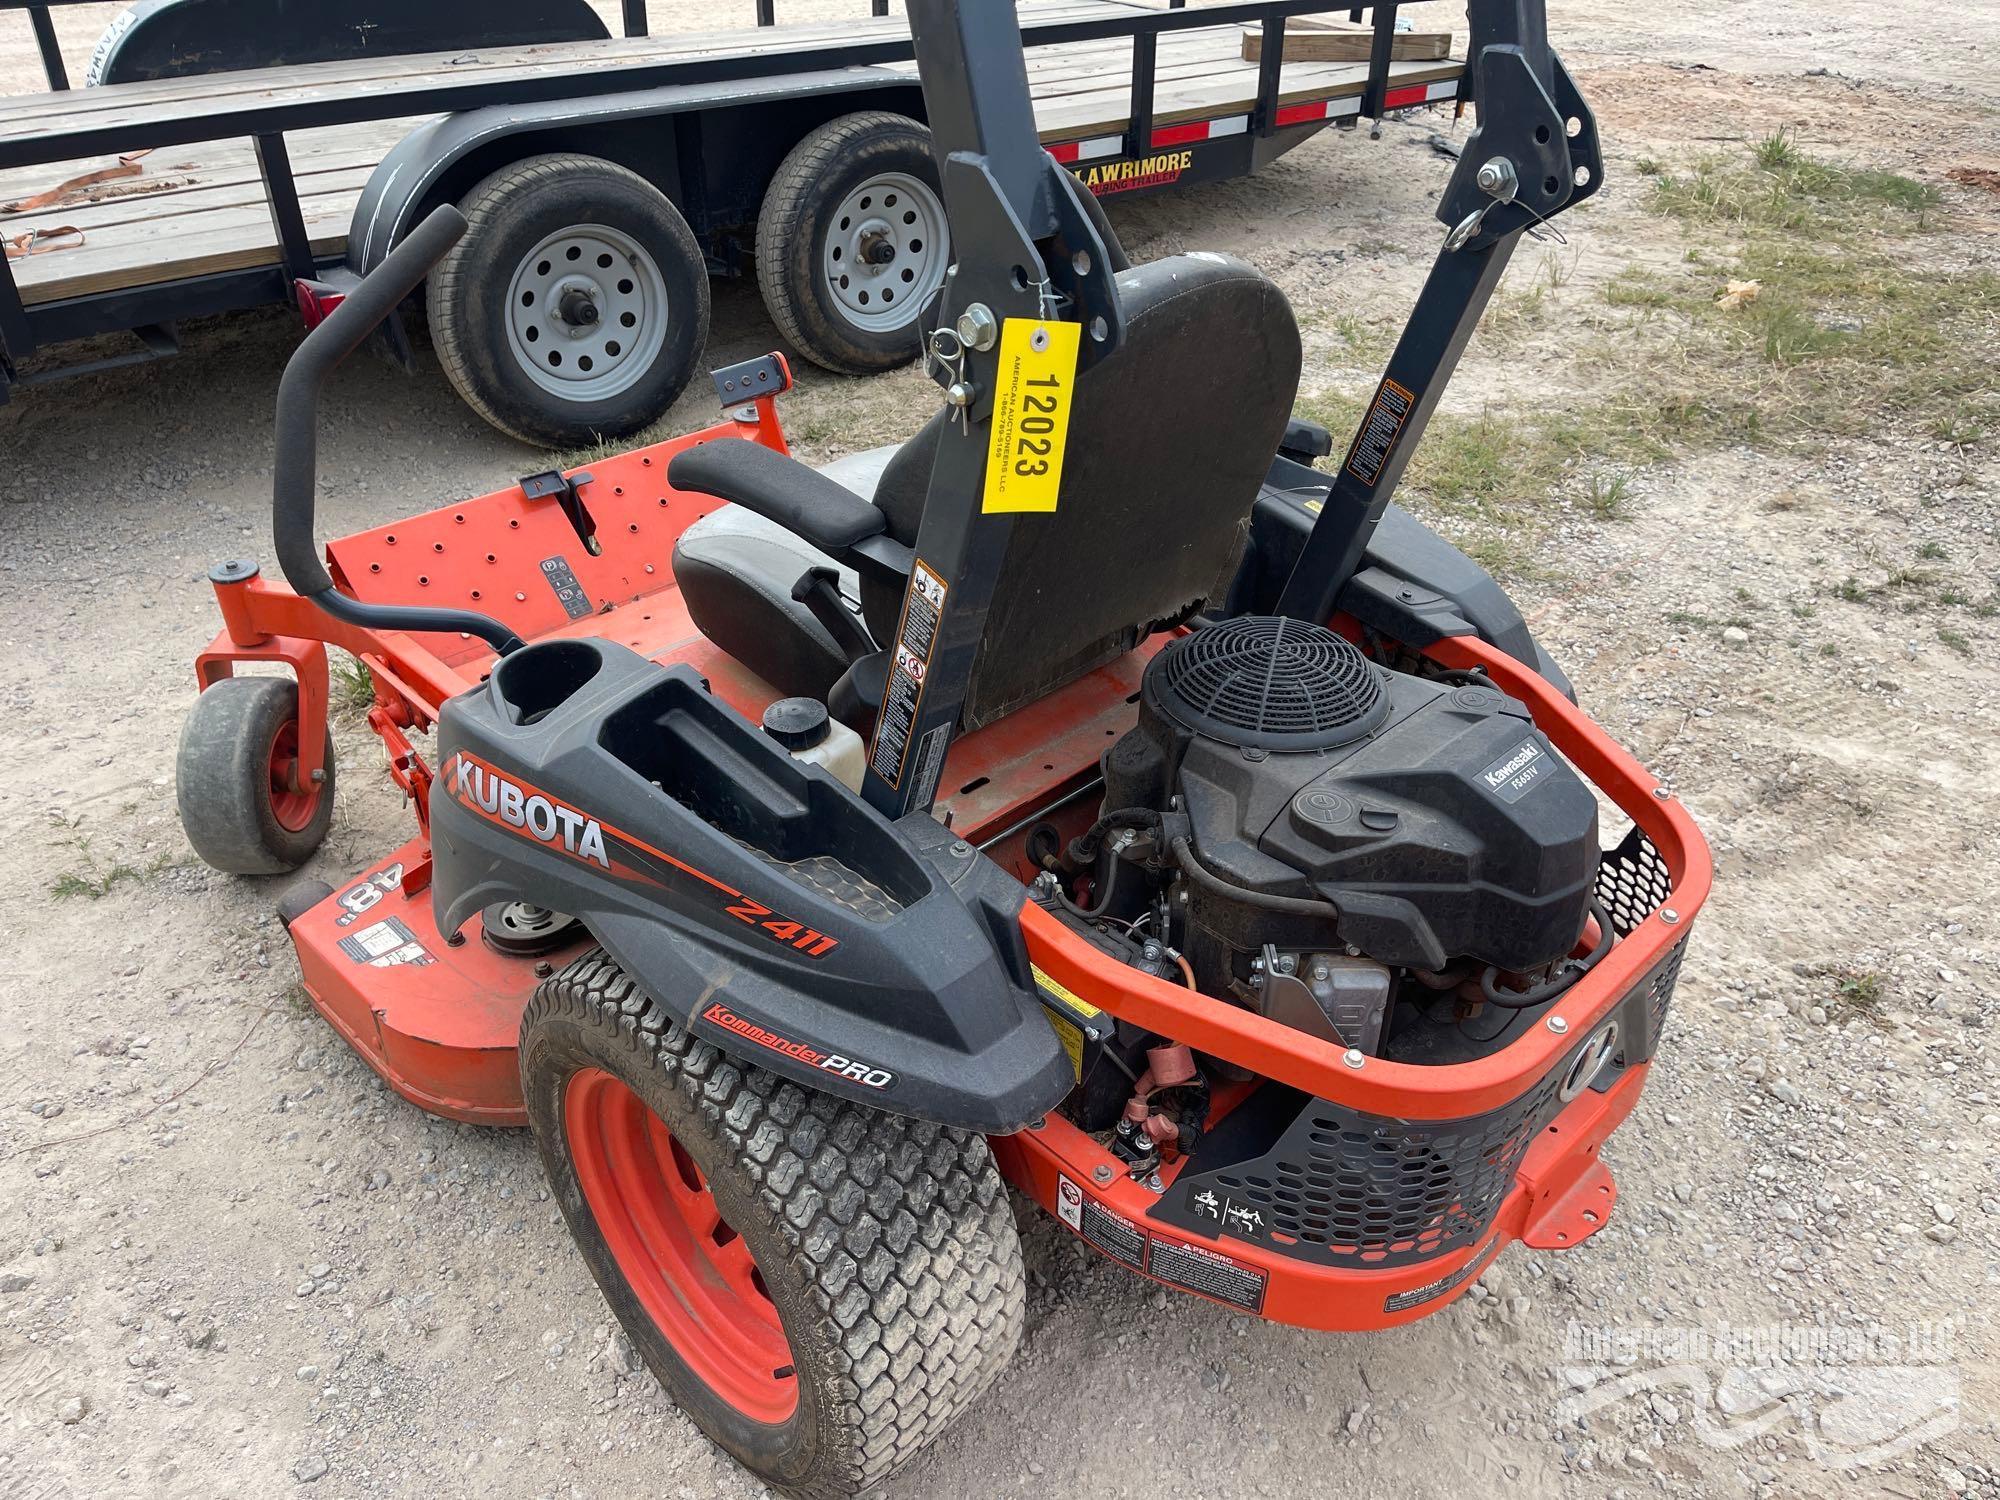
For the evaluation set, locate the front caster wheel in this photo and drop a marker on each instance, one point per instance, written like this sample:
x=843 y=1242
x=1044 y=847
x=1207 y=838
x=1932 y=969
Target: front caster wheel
x=244 y=803
x=822 y=1287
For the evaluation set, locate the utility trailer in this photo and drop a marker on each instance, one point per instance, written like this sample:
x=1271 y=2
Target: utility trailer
x=606 y=181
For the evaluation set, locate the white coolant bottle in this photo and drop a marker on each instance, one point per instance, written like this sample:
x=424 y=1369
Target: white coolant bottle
x=804 y=727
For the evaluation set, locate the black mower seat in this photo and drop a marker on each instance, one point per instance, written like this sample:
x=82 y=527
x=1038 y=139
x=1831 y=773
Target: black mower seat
x=1169 y=441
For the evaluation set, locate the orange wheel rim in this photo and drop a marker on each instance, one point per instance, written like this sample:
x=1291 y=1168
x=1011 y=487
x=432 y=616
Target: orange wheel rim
x=689 y=1269
x=291 y=804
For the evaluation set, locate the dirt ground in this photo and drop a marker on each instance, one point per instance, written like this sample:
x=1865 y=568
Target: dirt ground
x=231 y=1262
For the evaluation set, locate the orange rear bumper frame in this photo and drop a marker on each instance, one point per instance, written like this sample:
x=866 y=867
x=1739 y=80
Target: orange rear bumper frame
x=1562 y=1193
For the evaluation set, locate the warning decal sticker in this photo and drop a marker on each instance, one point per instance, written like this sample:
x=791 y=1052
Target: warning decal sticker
x=562 y=578
x=1430 y=1291
x=916 y=638
x=1069 y=1203
x=1377 y=437
x=1068 y=996
x=385 y=945
x=1208 y=1272
x=1114 y=1234
x=1192 y=1268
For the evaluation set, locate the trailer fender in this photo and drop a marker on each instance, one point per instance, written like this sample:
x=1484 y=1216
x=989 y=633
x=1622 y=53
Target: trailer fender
x=440 y=159
x=177 y=38
x=768 y=908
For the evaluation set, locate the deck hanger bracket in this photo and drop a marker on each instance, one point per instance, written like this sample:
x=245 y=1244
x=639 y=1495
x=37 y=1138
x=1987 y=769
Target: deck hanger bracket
x=567 y=491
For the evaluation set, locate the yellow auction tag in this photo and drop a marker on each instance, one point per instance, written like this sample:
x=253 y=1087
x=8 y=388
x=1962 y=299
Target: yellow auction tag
x=1031 y=405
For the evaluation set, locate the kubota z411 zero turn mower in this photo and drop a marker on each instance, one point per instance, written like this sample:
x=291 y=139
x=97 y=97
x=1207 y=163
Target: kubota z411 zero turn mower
x=1088 y=794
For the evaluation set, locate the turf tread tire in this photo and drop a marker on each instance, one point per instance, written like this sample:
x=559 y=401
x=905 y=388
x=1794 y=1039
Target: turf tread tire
x=222 y=778
x=898 y=1233
x=788 y=242
x=473 y=356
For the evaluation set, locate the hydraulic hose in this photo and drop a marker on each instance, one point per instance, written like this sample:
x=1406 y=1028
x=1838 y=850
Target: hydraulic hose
x=295 y=473
x=1571 y=971
x=1284 y=906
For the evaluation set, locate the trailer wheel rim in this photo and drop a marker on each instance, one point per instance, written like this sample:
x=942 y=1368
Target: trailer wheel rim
x=587 y=313
x=292 y=802
x=885 y=252
x=690 y=1271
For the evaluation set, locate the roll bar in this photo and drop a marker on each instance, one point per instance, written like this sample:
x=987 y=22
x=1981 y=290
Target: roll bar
x=295 y=474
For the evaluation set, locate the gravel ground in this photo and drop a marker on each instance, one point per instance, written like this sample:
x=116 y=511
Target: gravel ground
x=234 y=1263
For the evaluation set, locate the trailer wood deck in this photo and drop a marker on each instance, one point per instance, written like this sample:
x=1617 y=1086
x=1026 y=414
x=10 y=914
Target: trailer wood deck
x=199 y=208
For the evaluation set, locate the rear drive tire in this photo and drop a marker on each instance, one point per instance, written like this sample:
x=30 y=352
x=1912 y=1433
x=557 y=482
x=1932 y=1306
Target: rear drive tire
x=821 y=1287
x=236 y=779
x=575 y=307
x=852 y=241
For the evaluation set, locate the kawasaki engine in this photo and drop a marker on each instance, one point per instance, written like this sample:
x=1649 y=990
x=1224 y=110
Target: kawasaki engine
x=1393 y=863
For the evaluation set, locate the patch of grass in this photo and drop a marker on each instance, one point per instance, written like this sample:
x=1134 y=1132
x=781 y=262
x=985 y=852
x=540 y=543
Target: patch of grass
x=1859 y=989
x=90 y=882
x=1636 y=287
x=1844 y=334
x=1903 y=581
x=1955 y=641
x=1931 y=551
x=1607 y=494
x=351 y=687
x=1776 y=150
x=1367 y=342
x=1789 y=190
x=1829 y=649
x=1963 y=426
x=1499 y=473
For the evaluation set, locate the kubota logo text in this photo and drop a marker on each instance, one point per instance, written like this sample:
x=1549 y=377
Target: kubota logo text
x=533 y=813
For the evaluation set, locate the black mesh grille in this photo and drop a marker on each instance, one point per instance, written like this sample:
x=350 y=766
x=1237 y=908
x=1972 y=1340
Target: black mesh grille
x=1633 y=882
x=1341 y=1187
x=1269 y=682
x=1658 y=989
x=1381 y=1192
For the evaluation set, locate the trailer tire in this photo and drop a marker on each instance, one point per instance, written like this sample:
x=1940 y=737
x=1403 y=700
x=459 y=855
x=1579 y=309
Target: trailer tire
x=237 y=736
x=883 y=1248
x=575 y=307
x=859 y=187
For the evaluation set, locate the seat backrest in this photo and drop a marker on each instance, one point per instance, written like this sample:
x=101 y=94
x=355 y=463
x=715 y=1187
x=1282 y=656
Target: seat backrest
x=1169 y=440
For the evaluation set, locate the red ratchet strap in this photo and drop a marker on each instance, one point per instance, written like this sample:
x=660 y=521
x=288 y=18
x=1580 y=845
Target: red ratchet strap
x=128 y=166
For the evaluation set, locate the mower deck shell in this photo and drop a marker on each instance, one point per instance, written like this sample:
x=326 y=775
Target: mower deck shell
x=437 y=1019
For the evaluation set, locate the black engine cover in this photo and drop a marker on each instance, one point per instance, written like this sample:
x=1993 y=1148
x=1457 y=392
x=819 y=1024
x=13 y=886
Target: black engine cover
x=1447 y=828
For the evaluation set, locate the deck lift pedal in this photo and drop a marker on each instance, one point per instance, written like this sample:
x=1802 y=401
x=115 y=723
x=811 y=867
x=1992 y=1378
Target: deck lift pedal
x=1225 y=875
